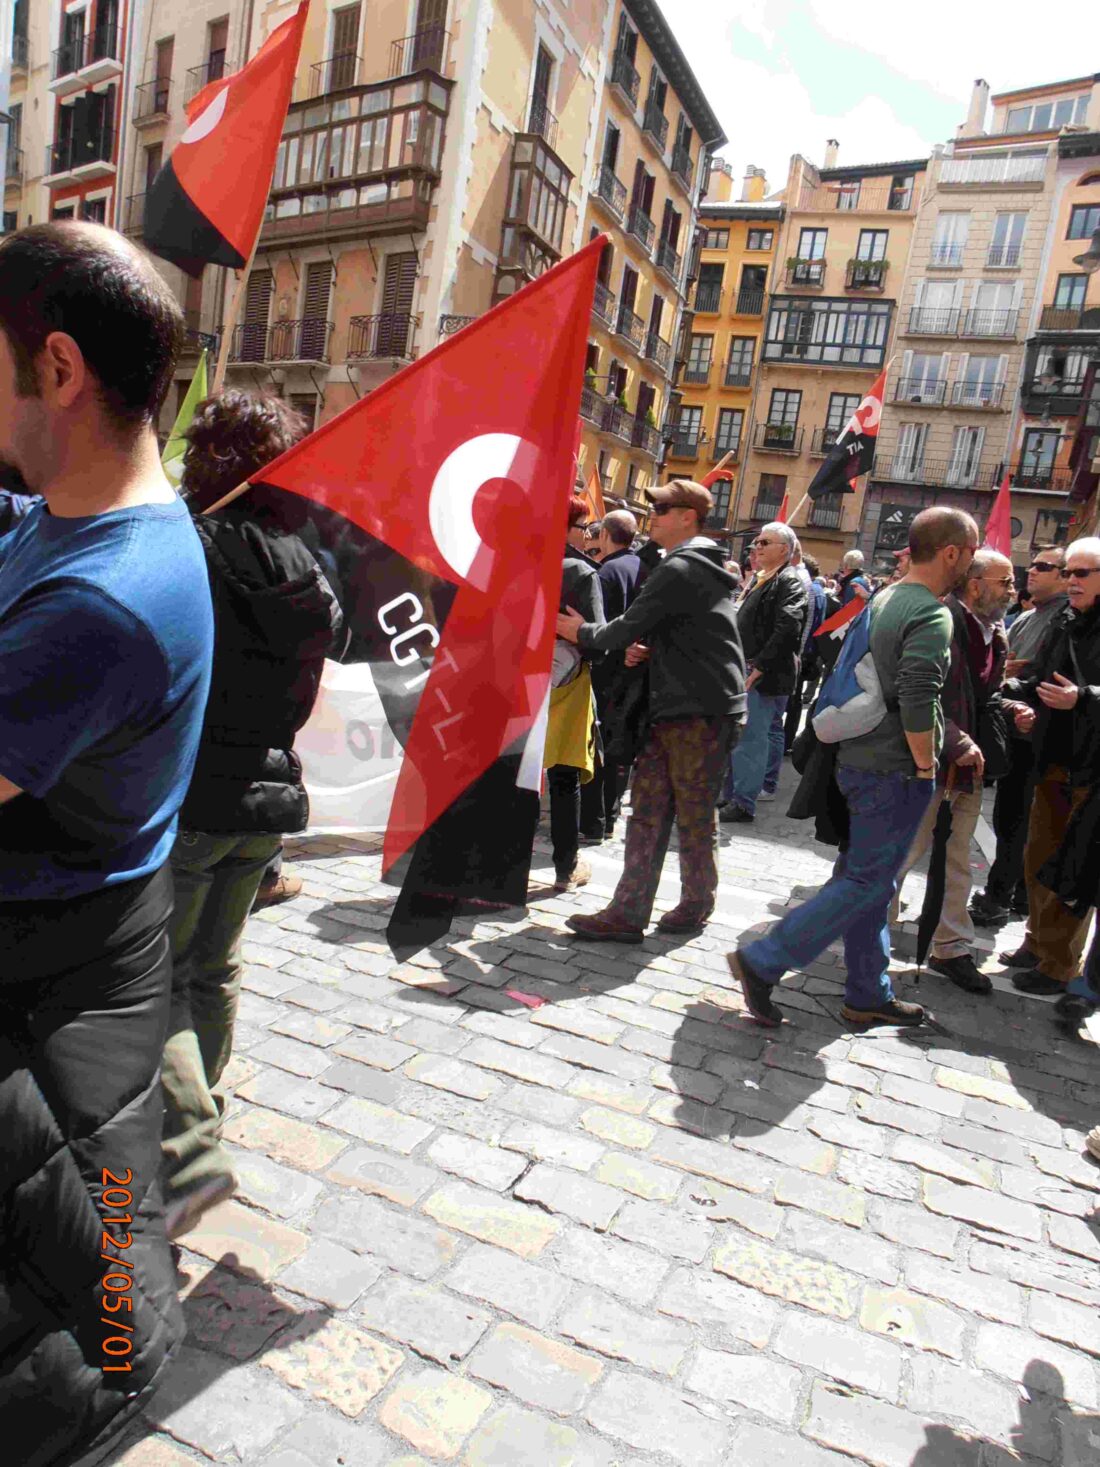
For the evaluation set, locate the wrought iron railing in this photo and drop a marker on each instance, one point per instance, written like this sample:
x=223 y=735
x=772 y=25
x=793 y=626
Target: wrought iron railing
x=70 y=153
x=603 y=303
x=738 y=374
x=750 y=303
x=946 y=256
x=20 y=53
x=822 y=440
x=928 y=392
x=611 y=191
x=656 y=125
x=542 y=122
x=625 y=76
x=1003 y=256
x=151 y=99
x=13 y=165
x=681 y=165
x=630 y=326
x=389 y=334
x=866 y=275
x=644 y=436
x=197 y=77
x=806 y=272
x=100 y=44
x=658 y=350
x=334 y=74
x=669 y=260
x=708 y=296
x=641 y=226
x=934 y=321
x=448 y=325
x=827 y=513
x=304 y=340
x=425 y=50
x=779 y=437
x=977 y=394
x=989 y=323
x=698 y=373
x=684 y=445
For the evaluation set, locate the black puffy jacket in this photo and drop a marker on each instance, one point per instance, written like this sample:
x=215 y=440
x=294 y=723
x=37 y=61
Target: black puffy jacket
x=1073 y=649
x=771 y=620
x=275 y=620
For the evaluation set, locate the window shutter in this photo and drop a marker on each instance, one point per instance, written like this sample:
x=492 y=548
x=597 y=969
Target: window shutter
x=257 y=308
x=315 y=304
x=907 y=367
x=398 y=291
x=1002 y=368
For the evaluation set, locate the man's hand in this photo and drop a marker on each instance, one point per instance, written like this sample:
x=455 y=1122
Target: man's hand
x=569 y=624
x=972 y=759
x=753 y=678
x=636 y=654
x=1014 y=666
x=1023 y=715
x=1060 y=694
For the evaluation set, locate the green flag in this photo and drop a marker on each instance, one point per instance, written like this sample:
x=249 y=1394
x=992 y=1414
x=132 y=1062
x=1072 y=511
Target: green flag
x=172 y=457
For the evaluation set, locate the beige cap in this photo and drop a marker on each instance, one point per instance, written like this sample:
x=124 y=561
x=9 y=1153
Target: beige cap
x=683 y=494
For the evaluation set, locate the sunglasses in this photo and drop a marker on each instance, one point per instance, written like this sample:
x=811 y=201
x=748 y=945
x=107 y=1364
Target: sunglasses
x=1080 y=575
x=998 y=580
x=763 y=544
x=1043 y=565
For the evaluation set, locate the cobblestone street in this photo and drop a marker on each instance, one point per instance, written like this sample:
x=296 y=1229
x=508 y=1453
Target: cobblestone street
x=530 y=1202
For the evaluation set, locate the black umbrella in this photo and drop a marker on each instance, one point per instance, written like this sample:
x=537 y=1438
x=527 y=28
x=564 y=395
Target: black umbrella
x=932 y=909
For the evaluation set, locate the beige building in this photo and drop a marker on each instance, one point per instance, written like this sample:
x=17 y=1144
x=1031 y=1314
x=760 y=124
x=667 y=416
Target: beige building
x=30 y=109
x=830 y=326
x=979 y=277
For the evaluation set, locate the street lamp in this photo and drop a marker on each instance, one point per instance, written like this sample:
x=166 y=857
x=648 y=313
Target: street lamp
x=1089 y=262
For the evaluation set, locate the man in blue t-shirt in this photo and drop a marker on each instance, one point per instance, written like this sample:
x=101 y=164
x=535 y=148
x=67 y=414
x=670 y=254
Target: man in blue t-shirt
x=106 y=637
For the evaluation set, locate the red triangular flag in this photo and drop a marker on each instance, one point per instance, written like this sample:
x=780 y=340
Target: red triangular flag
x=724 y=470
x=593 y=493
x=206 y=205
x=784 y=509
x=425 y=503
x=853 y=453
x=840 y=619
x=998 y=528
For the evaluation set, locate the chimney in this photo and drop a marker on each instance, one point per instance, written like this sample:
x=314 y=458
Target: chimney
x=974 y=125
x=754 y=185
x=831 y=148
x=720 y=188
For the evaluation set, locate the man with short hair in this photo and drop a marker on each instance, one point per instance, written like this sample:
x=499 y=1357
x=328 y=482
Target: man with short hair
x=887 y=778
x=106 y=635
x=685 y=621
x=971 y=706
x=1028 y=636
x=852 y=581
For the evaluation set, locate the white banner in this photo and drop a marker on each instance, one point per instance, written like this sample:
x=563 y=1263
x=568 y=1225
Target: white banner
x=349 y=754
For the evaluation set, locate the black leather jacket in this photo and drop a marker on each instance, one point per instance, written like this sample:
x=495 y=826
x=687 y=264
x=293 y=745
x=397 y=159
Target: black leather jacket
x=1073 y=649
x=771 y=620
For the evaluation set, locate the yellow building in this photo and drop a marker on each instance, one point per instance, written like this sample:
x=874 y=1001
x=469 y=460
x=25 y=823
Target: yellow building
x=737 y=251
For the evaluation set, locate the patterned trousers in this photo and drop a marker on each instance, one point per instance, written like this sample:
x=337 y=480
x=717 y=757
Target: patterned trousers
x=677 y=777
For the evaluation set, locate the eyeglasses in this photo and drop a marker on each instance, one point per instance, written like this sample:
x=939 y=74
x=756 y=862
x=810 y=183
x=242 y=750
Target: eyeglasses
x=1080 y=575
x=1043 y=565
x=997 y=580
x=763 y=544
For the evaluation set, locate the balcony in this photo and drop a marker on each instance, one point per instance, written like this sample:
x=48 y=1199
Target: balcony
x=864 y=196
x=1039 y=476
x=825 y=514
x=946 y=256
x=935 y=473
x=151 y=101
x=934 y=321
x=977 y=394
x=866 y=275
x=823 y=440
x=738 y=374
x=641 y=226
x=669 y=261
x=658 y=350
x=611 y=193
x=655 y=126
x=133 y=216
x=778 y=438
x=591 y=405
x=449 y=325
x=806 y=272
x=630 y=327
x=534 y=220
x=335 y=74
x=616 y=421
x=331 y=192
x=749 y=303
x=86 y=62
x=195 y=342
x=922 y=391
x=1070 y=318
x=698 y=374
x=993 y=324
x=625 y=77
x=682 y=167
x=708 y=297
x=305 y=341
x=387 y=335
x=765 y=508
x=425 y=50
x=20 y=54
x=603 y=304
x=13 y=166
x=1003 y=171
x=684 y=444
x=542 y=123
x=81 y=159
x=645 y=437
x=1004 y=257
x=197 y=77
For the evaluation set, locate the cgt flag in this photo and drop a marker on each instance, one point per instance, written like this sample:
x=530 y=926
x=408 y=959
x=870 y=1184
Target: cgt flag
x=428 y=505
x=853 y=453
x=206 y=204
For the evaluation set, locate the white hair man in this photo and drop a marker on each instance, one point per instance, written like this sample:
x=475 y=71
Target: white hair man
x=852 y=581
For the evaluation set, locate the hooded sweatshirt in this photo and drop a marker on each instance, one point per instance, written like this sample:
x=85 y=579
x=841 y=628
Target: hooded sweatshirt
x=686 y=616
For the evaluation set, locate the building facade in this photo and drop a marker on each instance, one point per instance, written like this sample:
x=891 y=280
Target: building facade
x=28 y=105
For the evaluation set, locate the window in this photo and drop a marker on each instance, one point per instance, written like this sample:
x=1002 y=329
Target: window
x=94 y=210
x=966 y=452
x=217 y=40
x=980 y=381
x=993 y=310
x=699 y=359
x=830 y=332
x=908 y=461
x=306 y=404
x=344 y=62
x=716 y=239
x=786 y=404
x=925 y=378
x=872 y=244
x=1007 y=241
x=847 y=195
x=1060 y=369
x=1047 y=116
x=1037 y=457
x=1069 y=294
x=949 y=240
x=769 y=496
x=1084 y=220
x=63 y=211
x=739 y=366
x=760 y=239
x=11 y=220
x=811 y=244
x=688 y=426
x=708 y=292
x=841 y=407
x=721 y=511
x=728 y=436
x=901 y=191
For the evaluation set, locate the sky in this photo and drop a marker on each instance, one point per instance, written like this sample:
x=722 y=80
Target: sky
x=887 y=80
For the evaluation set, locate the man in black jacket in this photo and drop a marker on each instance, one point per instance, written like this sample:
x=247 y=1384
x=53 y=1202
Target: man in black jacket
x=685 y=618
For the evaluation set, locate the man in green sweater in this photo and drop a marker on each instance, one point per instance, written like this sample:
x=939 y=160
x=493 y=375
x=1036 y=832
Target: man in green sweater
x=888 y=777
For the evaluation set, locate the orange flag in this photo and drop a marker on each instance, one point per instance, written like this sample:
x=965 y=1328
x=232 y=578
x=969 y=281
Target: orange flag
x=593 y=493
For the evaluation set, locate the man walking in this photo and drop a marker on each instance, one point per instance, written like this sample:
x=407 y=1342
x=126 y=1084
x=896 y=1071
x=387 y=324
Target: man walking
x=887 y=777
x=1028 y=637
x=685 y=616
x=972 y=715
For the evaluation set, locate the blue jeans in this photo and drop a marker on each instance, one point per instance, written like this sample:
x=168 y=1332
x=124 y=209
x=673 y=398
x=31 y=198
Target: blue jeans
x=1087 y=986
x=886 y=810
x=777 y=743
x=759 y=741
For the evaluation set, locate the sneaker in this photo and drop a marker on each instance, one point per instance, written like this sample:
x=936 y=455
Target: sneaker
x=766 y=795
x=1021 y=958
x=1037 y=984
x=1092 y=1142
x=892 y=1012
x=683 y=920
x=602 y=927
x=283 y=889
x=186 y=1208
x=732 y=814
x=985 y=911
x=580 y=875
x=758 y=994
x=963 y=972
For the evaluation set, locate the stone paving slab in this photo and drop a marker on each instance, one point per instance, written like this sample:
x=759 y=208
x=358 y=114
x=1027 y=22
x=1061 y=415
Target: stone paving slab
x=623 y=1226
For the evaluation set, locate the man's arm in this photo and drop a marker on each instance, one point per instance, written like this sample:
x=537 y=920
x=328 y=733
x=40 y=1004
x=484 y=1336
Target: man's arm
x=645 y=611
x=790 y=612
x=922 y=670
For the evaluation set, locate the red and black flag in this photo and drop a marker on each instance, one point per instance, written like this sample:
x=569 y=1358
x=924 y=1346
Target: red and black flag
x=853 y=453
x=206 y=204
x=437 y=506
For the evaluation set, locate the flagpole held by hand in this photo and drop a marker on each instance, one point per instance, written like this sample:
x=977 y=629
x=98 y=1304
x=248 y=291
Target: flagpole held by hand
x=229 y=498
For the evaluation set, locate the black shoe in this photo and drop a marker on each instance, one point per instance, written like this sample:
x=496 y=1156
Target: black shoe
x=1019 y=907
x=1037 y=983
x=894 y=1012
x=1021 y=958
x=986 y=911
x=1072 y=1010
x=732 y=814
x=602 y=928
x=758 y=994
x=591 y=838
x=683 y=921
x=963 y=973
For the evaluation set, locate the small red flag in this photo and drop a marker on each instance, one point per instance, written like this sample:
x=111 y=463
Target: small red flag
x=784 y=509
x=593 y=493
x=206 y=205
x=840 y=619
x=998 y=528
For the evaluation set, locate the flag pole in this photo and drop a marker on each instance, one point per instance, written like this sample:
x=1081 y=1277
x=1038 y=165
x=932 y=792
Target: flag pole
x=236 y=301
x=229 y=498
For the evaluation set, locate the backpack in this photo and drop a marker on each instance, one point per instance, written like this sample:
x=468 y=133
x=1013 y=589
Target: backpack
x=851 y=702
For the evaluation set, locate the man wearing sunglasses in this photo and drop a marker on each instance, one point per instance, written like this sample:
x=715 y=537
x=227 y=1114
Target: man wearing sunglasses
x=1059 y=703
x=1028 y=636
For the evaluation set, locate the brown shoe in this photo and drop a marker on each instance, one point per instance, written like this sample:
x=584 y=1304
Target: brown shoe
x=684 y=920
x=282 y=889
x=602 y=928
x=580 y=875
